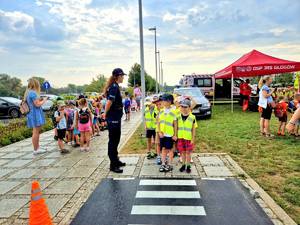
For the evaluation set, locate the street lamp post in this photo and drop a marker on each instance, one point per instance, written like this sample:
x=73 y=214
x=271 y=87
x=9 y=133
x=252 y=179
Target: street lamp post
x=159 y=75
x=162 y=76
x=155 y=43
x=142 y=58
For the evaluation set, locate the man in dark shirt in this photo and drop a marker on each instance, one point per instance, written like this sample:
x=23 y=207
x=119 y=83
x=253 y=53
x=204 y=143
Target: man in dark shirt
x=113 y=113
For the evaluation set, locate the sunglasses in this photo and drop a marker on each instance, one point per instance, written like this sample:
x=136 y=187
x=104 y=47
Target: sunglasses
x=185 y=107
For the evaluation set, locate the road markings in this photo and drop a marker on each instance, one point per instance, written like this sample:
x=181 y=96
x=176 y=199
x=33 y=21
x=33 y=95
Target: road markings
x=168 y=210
x=168 y=182
x=168 y=194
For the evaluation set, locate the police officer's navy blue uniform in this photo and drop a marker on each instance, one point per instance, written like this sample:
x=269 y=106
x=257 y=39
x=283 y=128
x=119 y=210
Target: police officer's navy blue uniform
x=113 y=117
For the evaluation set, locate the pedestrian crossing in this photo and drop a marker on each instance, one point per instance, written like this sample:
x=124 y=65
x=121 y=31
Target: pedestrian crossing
x=157 y=200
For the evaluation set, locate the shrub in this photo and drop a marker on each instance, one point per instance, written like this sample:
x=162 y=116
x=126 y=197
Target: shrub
x=5 y=141
x=17 y=130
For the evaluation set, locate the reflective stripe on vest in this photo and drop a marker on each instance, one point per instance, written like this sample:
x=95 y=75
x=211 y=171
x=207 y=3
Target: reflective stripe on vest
x=185 y=127
x=166 y=123
x=150 y=119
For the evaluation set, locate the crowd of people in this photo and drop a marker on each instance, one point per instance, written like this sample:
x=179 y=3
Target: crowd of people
x=169 y=122
x=283 y=102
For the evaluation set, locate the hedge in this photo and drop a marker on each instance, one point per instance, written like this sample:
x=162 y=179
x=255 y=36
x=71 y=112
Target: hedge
x=17 y=130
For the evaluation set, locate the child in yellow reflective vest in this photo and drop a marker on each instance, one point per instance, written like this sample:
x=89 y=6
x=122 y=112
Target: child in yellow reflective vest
x=167 y=132
x=186 y=130
x=150 y=126
x=157 y=100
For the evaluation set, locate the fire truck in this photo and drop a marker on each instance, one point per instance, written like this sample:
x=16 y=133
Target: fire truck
x=210 y=86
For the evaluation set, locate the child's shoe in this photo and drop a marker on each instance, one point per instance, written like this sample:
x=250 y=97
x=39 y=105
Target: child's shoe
x=87 y=149
x=158 y=160
x=162 y=168
x=188 y=169
x=168 y=168
x=81 y=149
x=182 y=168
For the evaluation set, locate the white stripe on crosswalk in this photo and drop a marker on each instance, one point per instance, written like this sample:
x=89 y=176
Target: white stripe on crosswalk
x=168 y=210
x=212 y=178
x=167 y=194
x=169 y=182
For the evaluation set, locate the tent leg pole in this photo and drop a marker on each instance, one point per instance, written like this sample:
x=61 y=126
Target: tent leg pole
x=214 y=97
x=232 y=92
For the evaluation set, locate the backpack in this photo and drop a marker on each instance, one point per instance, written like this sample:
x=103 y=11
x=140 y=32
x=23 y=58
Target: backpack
x=70 y=117
x=84 y=116
x=24 y=108
x=53 y=118
x=278 y=111
x=127 y=103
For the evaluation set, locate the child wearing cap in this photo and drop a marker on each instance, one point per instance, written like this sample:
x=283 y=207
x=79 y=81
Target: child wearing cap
x=185 y=132
x=61 y=127
x=159 y=107
x=150 y=125
x=167 y=132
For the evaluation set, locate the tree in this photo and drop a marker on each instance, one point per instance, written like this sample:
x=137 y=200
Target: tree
x=97 y=84
x=10 y=86
x=285 y=79
x=135 y=78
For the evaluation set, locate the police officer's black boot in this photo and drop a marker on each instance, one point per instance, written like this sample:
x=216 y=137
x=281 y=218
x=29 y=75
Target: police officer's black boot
x=121 y=164
x=116 y=169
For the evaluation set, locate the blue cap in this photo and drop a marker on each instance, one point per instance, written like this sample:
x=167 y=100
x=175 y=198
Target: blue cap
x=168 y=97
x=118 y=72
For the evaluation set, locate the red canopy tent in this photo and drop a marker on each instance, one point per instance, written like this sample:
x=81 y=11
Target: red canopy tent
x=256 y=63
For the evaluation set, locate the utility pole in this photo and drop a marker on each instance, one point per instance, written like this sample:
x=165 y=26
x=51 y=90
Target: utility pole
x=142 y=58
x=162 y=76
x=155 y=51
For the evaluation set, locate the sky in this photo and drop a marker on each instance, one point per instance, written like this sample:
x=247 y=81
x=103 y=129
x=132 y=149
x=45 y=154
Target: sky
x=71 y=41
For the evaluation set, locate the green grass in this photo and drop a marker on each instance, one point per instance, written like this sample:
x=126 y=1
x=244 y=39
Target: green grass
x=273 y=163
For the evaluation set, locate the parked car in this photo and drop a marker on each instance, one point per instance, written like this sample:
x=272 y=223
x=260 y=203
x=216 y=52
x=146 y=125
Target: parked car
x=50 y=97
x=47 y=106
x=201 y=107
x=9 y=107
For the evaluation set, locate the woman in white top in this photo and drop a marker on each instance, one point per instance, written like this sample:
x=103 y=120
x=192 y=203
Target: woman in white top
x=266 y=103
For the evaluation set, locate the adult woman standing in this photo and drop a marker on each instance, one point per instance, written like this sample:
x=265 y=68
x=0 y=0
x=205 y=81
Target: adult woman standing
x=113 y=114
x=138 y=96
x=267 y=103
x=35 y=117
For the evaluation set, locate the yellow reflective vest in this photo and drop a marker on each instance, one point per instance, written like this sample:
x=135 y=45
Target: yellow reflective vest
x=166 y=122
x=150 y=118
x=185 y=127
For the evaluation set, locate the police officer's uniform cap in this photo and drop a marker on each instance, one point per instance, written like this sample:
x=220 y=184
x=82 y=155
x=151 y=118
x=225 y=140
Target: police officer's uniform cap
x=118 y=72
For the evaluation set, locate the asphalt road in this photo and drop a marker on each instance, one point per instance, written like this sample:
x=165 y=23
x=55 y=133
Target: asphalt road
x=171 y=201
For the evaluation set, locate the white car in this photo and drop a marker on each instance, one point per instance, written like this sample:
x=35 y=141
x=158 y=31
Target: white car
x=47 y=105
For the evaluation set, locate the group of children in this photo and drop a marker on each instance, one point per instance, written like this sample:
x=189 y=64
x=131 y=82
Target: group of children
x=283 y=106
x=171 y=125
x=76 y=122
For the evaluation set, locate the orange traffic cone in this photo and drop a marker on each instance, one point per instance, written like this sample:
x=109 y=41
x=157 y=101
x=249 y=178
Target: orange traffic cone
x=38 y=214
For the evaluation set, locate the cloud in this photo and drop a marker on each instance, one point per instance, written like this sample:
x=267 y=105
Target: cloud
x=15 y=22
x=206 y=12
x=88 y=26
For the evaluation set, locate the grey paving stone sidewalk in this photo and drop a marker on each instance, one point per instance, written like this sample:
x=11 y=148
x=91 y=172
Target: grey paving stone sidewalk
x=63 y=178
x=68 y=180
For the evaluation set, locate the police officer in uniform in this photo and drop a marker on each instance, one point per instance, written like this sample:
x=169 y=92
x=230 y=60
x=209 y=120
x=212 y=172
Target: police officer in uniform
x=113 y=114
